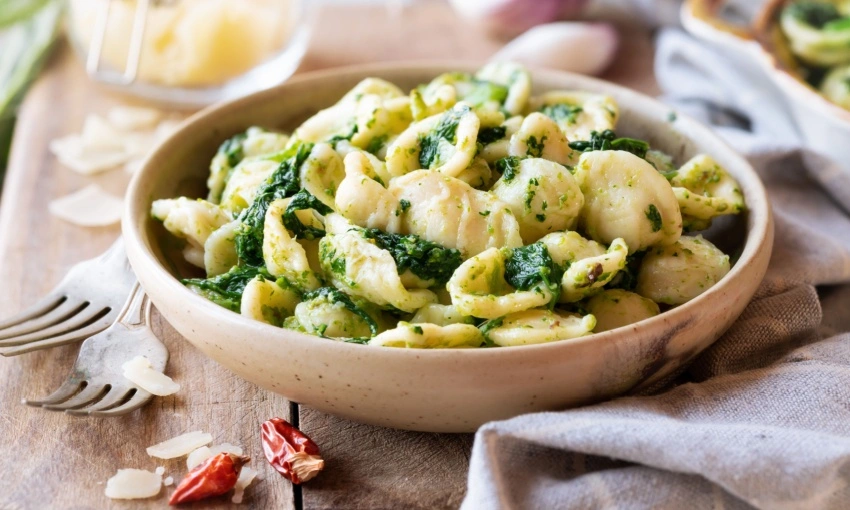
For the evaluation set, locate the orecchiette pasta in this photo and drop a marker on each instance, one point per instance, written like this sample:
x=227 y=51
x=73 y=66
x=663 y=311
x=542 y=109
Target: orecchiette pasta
x=675 y=274
x=539 y=326
x=540 y=137
x=450 y=212
x=478 y=288
x=443 y=142
x=543 y=195
x=283 y=255
x=617 y=307
x=429 y=336
x=268 y=302
x=705 y=190
x=465 y=214
x=193 y=220
x=578 y=114
x=624 y=196
x=360 y=268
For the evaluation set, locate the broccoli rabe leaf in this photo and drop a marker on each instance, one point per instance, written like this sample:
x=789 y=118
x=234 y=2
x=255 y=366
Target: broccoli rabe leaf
x=334 y=296
x=815 y=14
x=232 y=148
x=446 y=130
x=338 y=138
x=608 y=141
x=284 y=182
x=427 y=260
x=487 y=326
x=484 y=91
x=562 y=112
x=226 y=289
x=489 y=135
x=626 y=278
x=531 y=265
x=301 y=201
x=508 y=167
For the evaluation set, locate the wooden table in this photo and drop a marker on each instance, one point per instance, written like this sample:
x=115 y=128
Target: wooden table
x=55 y=461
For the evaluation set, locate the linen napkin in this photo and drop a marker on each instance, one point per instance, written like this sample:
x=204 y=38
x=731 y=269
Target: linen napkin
x=762 y=418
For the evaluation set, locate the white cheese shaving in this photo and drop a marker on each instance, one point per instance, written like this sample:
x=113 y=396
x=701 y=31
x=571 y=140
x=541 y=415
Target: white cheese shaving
x=196 y=457
x=125 y=134
x=130 y=118
x=140 y=372
x=88 y=207
x=160 y=471
x=168 y=481
x=180 y=445
x=246 y=476
x=133 y=484
x=99 y=135
x=72 y=152
x=226 y=448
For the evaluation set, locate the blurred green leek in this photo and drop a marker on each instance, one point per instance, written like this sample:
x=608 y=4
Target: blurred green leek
x=27 y=31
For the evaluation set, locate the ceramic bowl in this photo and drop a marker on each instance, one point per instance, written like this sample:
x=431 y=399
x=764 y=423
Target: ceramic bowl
x=437 y=390
x=823 y=125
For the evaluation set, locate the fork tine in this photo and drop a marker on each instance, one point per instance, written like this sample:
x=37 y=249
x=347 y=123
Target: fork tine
x=90 y=394
x=52 y=317
x=68 y=388
x=114 y=397
x=43 y=306
x=67 y=326
x=140 y=398
x=70 y=337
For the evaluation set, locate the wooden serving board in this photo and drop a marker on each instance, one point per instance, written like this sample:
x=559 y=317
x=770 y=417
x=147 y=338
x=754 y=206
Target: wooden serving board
x=52 y=460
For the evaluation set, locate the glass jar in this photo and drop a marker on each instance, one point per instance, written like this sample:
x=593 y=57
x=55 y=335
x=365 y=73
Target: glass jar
x=190 y=53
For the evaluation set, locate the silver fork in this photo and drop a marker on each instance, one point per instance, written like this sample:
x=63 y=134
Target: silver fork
x=85 y=302
x=96 y=385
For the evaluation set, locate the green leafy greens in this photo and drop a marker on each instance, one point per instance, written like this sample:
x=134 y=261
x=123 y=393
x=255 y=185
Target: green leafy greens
x=489 y=135
x=529 y=266
x=815 y=14
x=446 y=130
x=425 y=259
x=508 y=167
x=301 y=201
x=232 y=148
x=334 y=296
x=284 y=182
x=226 y=289
x=562 y=112
x=608 y=141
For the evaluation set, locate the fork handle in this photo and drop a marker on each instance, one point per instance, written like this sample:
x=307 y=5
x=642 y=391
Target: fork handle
x=137 y=310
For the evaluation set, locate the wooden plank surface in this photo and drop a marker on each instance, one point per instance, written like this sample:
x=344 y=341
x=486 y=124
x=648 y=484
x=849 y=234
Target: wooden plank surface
x=58 y=461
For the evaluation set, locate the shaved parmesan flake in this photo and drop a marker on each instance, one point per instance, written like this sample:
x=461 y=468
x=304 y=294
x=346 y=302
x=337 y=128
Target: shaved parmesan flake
x=99 y=135
x=197 y=456
x=130 y=118
x=226 y=448
x=180 y=445
x=246 y=476
x=168 y=481
x=73 y=153
x=133 y=484
x=88 y=207
x=140 y=372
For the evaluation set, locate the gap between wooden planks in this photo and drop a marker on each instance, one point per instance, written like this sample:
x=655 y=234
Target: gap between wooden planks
x=58 y=461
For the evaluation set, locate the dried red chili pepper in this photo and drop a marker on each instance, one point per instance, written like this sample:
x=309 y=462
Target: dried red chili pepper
x=290 y=451
x=213 y=477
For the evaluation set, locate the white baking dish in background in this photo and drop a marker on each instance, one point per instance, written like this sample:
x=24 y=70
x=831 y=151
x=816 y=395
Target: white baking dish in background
x=822 y=125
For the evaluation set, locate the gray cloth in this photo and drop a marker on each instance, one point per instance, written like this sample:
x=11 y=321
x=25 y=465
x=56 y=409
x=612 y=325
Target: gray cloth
x=762 y=418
